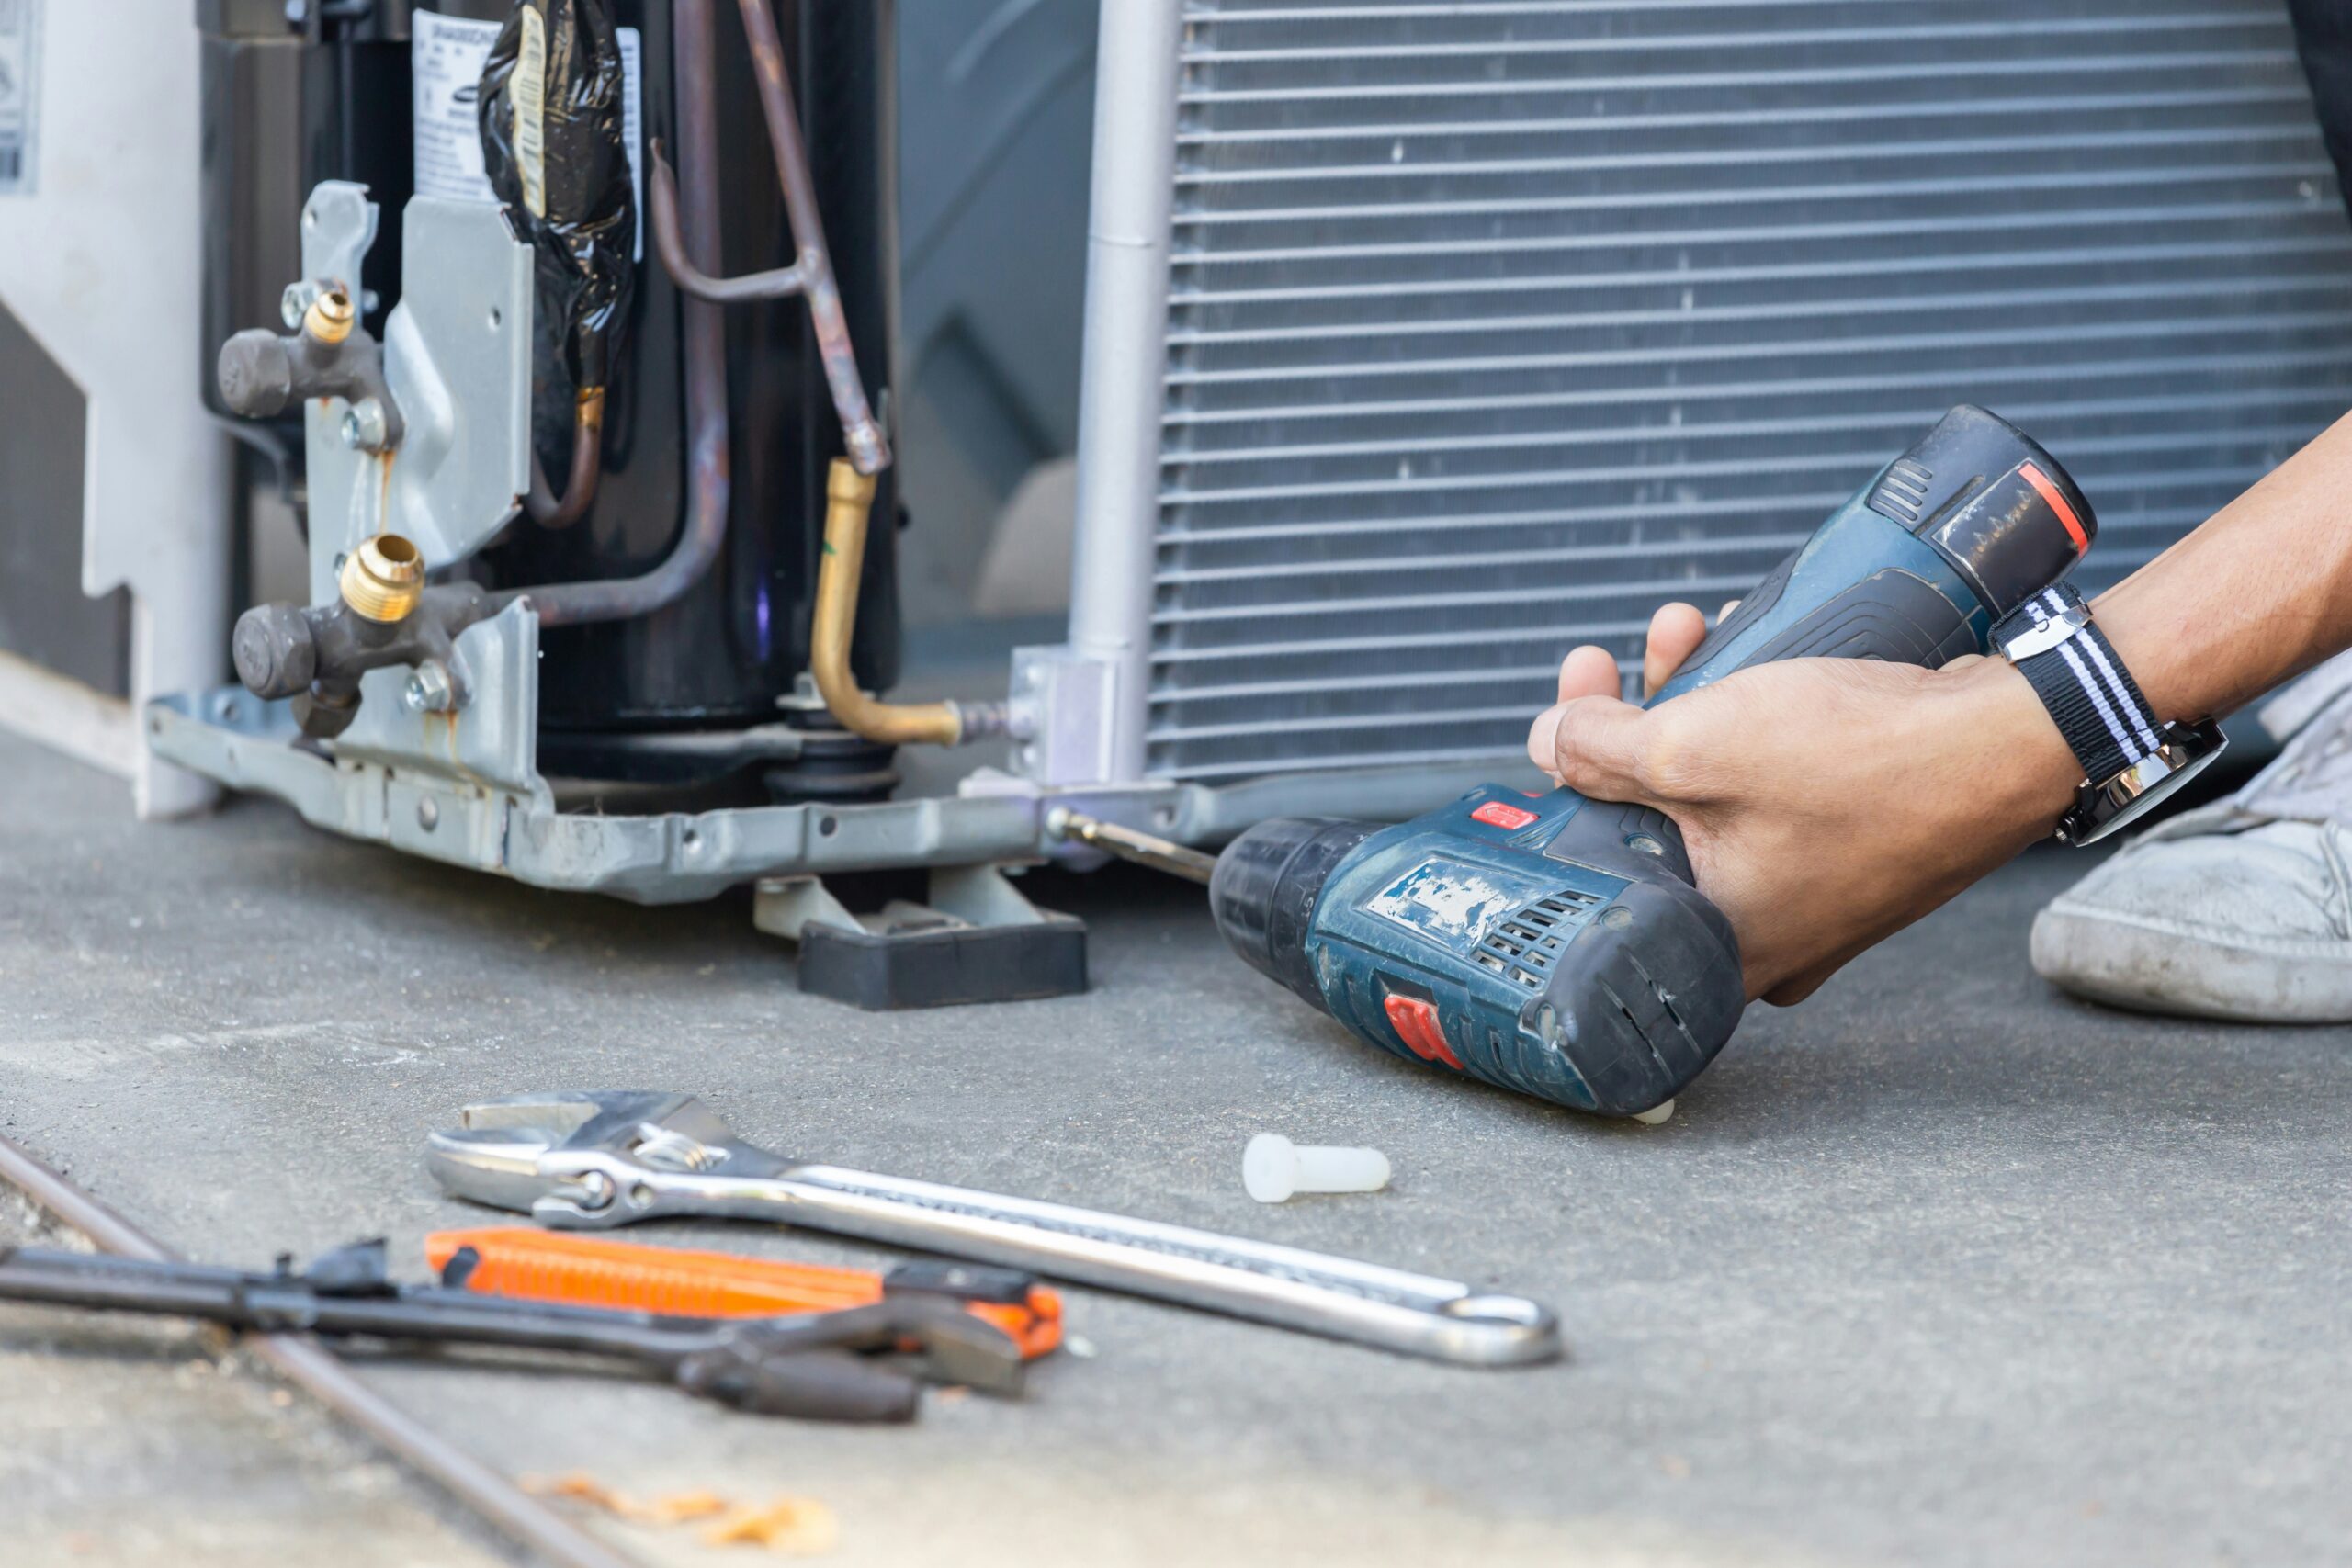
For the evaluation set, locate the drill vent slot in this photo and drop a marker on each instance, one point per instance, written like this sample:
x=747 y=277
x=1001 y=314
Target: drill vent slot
x=1901 y=492
x=1525 y=945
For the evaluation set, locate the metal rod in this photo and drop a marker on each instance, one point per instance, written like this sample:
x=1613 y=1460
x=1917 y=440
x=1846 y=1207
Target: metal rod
x=1160 y=854
x=694 y=46
x=515 y=1513
x=867 y=448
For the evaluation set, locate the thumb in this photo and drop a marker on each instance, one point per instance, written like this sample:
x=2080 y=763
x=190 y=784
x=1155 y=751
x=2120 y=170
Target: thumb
x=1594 y=746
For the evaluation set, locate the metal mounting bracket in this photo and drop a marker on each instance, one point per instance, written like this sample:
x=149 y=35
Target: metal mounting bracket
x=457 y=356
x=976 y=938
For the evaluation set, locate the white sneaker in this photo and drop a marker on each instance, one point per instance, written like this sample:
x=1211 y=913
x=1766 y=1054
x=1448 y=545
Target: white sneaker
x=2241 y=910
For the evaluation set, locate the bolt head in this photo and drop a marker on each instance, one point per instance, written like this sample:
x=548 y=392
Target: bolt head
x=294 y=302
x=363 y=428
x=428 y=691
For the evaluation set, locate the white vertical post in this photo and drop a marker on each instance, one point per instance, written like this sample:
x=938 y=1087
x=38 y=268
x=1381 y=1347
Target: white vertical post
x=102 y=263
x=1138 y=74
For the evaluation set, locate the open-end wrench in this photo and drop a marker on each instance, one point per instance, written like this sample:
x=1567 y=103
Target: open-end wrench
x=593 y=1159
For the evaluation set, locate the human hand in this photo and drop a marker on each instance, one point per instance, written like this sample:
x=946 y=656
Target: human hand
x=1826 y=803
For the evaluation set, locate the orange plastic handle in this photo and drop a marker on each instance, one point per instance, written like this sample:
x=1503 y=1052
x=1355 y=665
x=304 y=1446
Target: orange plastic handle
x=548 y=1265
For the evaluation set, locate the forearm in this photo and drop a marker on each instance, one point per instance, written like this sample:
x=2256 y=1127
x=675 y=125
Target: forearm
x=2259 y=593
x=1827 y=802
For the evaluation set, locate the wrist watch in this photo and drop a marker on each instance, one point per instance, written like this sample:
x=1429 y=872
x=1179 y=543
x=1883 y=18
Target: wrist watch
x=2130 y=760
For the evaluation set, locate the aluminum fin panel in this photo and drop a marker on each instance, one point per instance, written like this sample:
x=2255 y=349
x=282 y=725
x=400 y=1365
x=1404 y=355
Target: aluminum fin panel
x=1495 y=324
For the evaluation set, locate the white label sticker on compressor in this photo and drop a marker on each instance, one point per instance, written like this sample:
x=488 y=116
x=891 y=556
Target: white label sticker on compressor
x=446 y=56
x=19 y=94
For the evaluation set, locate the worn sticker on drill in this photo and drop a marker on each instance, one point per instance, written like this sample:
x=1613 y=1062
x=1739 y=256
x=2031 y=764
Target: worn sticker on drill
x=1454 y=902
x=19 y=94
x=446 y=58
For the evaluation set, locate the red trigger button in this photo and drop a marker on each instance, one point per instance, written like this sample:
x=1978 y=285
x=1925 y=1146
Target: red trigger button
x=1417 y=1025
x=1501 y=813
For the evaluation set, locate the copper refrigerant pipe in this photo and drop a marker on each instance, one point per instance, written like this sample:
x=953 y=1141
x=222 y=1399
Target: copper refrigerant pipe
x=302 y=1362
x=849 y=502
x=670 y=244
x=694 y=48
x=811 y=272
x=587 y=466
x=867 y=448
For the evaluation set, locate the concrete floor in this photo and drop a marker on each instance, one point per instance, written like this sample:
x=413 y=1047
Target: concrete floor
x=1938 y=1268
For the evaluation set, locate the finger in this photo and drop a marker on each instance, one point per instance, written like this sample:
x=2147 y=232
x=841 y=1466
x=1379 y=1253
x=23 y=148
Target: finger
x=1725 y=614
x=1676 y=632
x=1589 y=671
x=1593 y=745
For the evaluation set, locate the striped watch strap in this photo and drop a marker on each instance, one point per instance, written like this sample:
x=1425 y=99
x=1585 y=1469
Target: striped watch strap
x=2081 y=680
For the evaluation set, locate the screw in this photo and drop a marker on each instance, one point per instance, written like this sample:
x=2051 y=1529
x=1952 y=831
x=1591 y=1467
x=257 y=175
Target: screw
x=429 y=691
x=362 y=426
x=429 y=815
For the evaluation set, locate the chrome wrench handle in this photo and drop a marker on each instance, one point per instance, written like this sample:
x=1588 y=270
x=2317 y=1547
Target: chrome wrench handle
x=1415 y=1314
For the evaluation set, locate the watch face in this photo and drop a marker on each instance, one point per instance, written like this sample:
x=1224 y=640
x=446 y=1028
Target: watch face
x=2104 y=808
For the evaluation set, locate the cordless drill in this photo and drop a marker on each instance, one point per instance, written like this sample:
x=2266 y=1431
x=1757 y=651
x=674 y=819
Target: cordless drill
x=1555 y=945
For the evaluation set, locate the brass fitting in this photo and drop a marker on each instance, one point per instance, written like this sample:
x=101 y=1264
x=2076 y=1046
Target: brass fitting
x=849 y=497
x=330 y=318
x=382 y=580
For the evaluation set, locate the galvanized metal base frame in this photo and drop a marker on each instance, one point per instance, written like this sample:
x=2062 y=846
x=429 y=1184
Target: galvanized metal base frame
x=474 y=797
x=466 y=810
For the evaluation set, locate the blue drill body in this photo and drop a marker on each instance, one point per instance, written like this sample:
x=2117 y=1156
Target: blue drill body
x=1555 y=945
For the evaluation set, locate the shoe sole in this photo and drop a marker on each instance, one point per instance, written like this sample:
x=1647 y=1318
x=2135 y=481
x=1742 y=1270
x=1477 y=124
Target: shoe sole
x=2145 y=968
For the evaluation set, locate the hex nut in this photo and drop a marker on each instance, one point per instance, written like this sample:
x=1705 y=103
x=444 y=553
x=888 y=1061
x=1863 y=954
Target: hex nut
x=383 y=578
x=330 y=319
x=364 y=428
x=429 y=691
x=294 y=302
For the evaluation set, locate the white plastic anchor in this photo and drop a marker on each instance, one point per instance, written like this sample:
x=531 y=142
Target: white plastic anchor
x=1272 y=1167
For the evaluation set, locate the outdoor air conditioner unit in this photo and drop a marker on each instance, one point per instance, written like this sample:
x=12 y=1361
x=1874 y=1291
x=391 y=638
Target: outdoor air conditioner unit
x=1422 y=342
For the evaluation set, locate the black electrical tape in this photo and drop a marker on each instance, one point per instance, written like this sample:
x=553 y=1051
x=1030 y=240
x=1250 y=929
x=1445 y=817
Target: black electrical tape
x=553 y=96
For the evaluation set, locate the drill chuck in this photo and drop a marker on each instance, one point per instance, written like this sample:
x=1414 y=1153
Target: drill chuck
x=1265 y=888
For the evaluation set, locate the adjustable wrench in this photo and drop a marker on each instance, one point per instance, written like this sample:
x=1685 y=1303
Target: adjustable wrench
x=594 y=1159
